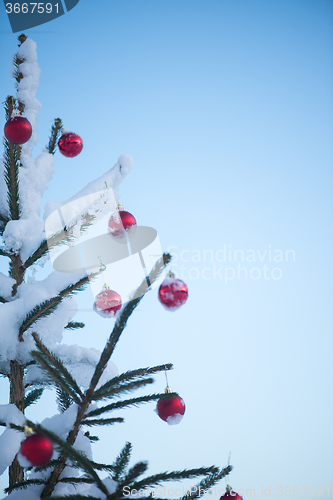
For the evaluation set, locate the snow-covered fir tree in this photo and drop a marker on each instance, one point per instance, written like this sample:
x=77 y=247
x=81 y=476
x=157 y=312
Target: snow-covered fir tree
x=34 y=314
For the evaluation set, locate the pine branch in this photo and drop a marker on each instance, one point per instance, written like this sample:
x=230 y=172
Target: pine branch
x=123 y=318
x=64 y=400
x=128 y=402
x=32 y=397
x=133 y=473
x=12 y=163
x=54 y=364
x=122 y=389
x=102 y=421
x=200 y=489
x=53 y=463
x=59 y=238
x=55 y=134
x=62 y=237
x=3 y=301
x=54 y=374
x=24 y=484
x=41 y=311
x=10 y=104
x=91 y=438
x=48 y=306
x=72 y=497
x=72 y=325
x=76 y=480
x=129 y=375
x=173 y=476
x=121 y=462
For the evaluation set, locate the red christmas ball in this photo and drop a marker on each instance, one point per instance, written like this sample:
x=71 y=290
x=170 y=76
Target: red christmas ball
x=230 y=494
x=107 y=303
x=120 y=222
x=171 y=409
x=38 y=449
x=18 y=130
x=172 y=293
x=70 y=144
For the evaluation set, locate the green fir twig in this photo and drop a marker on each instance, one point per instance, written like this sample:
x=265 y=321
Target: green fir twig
x=11 y=174
x=121 y=462
x=157 y=479
x=55 y=376
x=54 y=366
x=134 y=472
x=64 y=399
x=129 y=402
x=24 y=484
x=55 y=134
x=102 y=421
x=131 y=374
x=62 y=237
x=73 y=325
x=48 y=306
x=120 y=389
x=33 y=396
x=201 y=489
x=76 y=496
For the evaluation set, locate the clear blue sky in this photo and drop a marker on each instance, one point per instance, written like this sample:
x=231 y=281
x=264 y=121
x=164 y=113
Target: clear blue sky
x=226 y=108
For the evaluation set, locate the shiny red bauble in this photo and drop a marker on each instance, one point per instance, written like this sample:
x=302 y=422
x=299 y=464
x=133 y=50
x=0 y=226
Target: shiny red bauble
x=18 y=130
x=107 y=303
x=70 y=144
x=171 y=409
x=230 y=494
x=172 y=293
x=38 y=449
x=120 y=222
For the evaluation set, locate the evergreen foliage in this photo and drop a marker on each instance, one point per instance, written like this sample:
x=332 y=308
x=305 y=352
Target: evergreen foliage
x=68 y=392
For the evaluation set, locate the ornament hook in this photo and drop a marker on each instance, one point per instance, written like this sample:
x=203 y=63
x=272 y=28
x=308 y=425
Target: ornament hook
x=102 y=269
x=168 y=388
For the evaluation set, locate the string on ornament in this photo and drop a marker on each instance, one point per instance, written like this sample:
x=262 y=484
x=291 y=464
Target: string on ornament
x=229 y=492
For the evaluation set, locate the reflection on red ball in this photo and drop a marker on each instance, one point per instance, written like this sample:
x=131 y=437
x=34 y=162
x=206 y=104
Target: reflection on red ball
x=230 y=494
x=120 y=222
x=107 y=303
x=70 y=144
x=18 y=130
x=172 y=293
x=171 y=409
x=38 y=449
